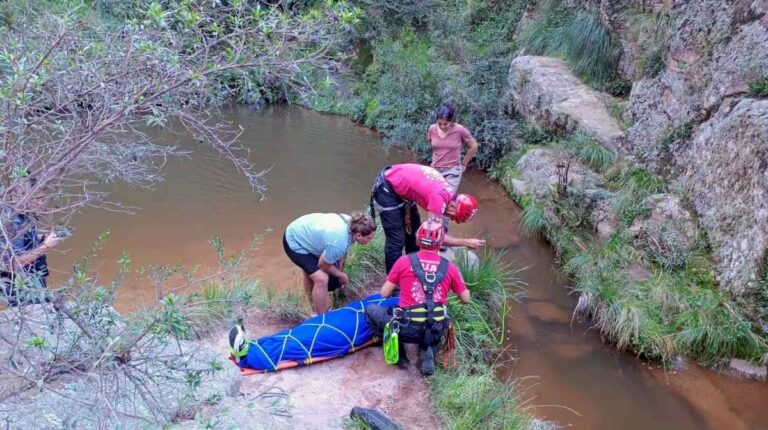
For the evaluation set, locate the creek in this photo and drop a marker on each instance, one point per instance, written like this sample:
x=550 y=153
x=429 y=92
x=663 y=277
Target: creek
x=327 y=164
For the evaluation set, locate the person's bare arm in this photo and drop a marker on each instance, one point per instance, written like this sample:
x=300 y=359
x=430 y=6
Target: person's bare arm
x=29 y=257
x=388 y=289
x=468 y=242
x=471 y=151
x=464 y=296
x=332 y=270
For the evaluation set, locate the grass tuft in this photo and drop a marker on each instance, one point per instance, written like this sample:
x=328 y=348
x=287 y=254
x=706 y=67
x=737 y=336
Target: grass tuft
x=578 y=36
x=759 y=88
x=586 y=148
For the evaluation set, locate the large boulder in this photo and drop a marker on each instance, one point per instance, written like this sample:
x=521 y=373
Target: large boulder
x=725 y=172
x=539 y=176
x=546 y=92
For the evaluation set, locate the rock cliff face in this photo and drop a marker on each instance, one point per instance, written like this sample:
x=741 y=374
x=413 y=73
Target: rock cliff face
x=724 y=170
x=698 y=124
x=695 y=121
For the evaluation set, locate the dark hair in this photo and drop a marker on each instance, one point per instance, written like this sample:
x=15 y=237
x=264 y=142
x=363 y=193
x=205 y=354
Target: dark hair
x=361 y=223
x=446 y=112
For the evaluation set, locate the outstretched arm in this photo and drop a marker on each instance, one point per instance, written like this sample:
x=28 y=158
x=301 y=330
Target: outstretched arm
x=29 y=257
x=468 y=242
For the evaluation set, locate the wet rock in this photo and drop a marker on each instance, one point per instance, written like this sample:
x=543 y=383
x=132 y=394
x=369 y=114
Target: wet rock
x=519 y=187
x=456 y=254
x=749 y=370
x=726 y=177
x=537 y=424
x=544 y=90
x=680 y=364
x=547 y=312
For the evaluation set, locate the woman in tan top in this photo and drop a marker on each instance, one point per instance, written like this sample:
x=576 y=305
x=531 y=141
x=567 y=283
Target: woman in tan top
x=447 y=137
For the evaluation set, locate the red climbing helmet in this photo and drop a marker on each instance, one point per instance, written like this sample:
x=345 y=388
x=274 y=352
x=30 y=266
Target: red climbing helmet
x=430 y=235
x=466 y=208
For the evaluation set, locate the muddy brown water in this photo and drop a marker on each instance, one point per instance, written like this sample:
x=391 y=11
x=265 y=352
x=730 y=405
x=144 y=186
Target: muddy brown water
x=326 y=164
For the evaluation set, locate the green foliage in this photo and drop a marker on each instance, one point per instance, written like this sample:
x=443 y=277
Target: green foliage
x=759 y=88
x=365 y=268
x=460 y=54
x=470 y=395
x=634 y=187
x=677 y=134
x=654 y=63
x=616 y=111
x=505 y=170
x=618 y=88
x=401 y=88
x=578 y=36
x=673 y=312
x=649 y=31
x=586 y=148
x=534 y=221
x=713 y=327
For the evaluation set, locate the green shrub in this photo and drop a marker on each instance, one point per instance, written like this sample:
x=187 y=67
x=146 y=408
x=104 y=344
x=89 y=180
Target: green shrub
x=534 y=221
x=759 y=88
x=618 y=88
x=401 y=88
x=586 y=148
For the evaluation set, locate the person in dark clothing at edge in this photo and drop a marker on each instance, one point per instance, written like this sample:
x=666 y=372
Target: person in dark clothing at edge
x=22 y=254
x=395 y=194
x=425 y=279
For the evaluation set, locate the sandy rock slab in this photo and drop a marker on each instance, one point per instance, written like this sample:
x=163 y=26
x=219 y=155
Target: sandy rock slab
x=322 y=395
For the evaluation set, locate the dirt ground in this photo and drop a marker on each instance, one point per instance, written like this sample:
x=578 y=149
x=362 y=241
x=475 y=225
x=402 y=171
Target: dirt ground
x=321 y=396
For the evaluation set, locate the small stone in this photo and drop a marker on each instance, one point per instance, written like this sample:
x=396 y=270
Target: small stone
x=749 y=370
x=519 y=187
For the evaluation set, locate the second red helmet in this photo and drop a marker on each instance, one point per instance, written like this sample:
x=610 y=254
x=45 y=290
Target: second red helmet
x=430 y=235
x=466 y=208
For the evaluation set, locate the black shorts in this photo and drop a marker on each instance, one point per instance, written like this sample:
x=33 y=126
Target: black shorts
x=308 y=263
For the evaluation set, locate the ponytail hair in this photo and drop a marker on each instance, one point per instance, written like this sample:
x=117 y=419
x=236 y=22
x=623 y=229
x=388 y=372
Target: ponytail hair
x=361 y=223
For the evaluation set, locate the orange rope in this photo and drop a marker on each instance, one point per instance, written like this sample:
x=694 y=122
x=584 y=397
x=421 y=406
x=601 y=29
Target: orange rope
x=449 y=350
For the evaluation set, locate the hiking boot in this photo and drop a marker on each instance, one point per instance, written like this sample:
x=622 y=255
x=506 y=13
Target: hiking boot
x=428 y=361
x=238 y=344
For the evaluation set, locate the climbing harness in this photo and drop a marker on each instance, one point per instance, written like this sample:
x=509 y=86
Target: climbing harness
x=426 y=314
x=429 y=281
x=381 y=183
